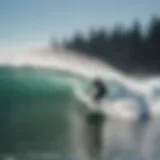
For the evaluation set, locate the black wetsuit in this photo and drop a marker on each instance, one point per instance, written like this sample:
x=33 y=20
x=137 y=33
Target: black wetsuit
x=101 y=90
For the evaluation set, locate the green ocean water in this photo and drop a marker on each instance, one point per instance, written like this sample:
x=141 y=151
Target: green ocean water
x=35 y=109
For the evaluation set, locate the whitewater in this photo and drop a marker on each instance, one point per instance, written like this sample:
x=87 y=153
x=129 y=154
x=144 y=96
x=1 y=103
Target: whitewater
x=78 y=71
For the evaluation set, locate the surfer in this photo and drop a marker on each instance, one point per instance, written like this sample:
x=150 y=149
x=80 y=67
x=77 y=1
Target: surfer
x=100 y=88
x=96 y=120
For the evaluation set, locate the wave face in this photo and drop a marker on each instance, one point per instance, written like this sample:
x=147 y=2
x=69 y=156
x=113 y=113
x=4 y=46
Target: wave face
x=42 y=96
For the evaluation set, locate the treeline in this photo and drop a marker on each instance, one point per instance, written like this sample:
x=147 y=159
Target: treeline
x=130 y=49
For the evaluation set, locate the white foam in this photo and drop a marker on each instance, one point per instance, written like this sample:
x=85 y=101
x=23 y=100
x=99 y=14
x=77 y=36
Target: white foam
x=89 y=67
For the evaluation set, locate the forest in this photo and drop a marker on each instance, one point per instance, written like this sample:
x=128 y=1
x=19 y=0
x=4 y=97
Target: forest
x=134 y=49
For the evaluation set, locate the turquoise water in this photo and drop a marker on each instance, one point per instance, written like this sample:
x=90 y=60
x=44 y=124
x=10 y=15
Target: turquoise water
x=40 y=115
x=35 y=106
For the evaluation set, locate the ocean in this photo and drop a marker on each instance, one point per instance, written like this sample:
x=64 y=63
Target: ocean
x=44 y=108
